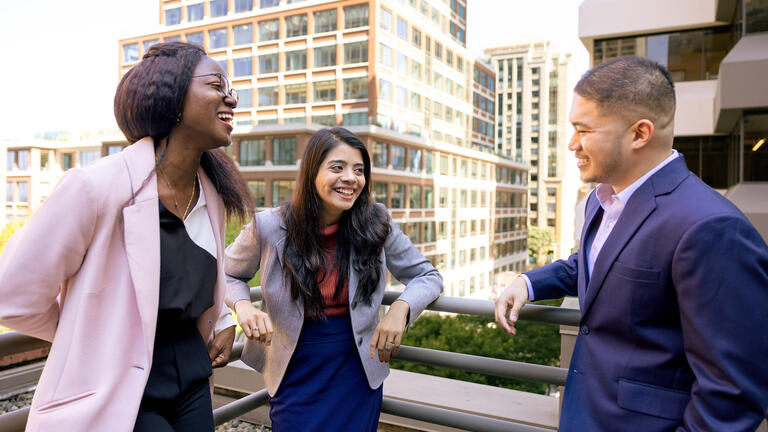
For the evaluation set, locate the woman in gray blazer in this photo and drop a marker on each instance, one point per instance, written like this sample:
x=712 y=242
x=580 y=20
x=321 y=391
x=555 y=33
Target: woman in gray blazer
x=322 y=256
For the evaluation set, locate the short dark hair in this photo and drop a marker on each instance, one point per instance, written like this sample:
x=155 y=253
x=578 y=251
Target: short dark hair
x=630 y=86
x=363 y=229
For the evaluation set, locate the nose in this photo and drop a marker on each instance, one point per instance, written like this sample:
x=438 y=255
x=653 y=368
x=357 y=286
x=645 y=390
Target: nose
x=230 y=101
x=574 y=143
x=348 y=175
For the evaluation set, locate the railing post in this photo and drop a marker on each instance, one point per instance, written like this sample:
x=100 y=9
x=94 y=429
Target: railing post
x=568 y=336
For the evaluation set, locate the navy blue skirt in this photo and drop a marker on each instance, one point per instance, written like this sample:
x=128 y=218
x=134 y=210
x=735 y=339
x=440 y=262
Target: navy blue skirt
x=325 y=387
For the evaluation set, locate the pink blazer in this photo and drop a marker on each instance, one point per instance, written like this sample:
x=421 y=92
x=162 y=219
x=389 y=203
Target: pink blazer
x=84 y=273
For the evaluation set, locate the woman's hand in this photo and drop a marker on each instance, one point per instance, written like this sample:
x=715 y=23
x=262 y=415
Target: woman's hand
x=388 y=334
x=255 y=324
x=221 y=347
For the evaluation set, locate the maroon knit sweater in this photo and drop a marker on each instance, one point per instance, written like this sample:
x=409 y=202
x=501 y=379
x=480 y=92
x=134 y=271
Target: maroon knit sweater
x=340 y=305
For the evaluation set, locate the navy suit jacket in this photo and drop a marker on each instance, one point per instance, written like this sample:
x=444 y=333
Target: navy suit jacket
x=673 y=331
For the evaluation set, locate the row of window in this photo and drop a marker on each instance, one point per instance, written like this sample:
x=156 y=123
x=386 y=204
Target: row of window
x=17 y=191
x=399 y=62
x=322 y=91
x=473 y=255
x=355 y=16
x=19 y=159
x=484 y=78
x=400 y=29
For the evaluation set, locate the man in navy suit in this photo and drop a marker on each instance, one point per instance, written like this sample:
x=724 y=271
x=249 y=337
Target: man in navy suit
x=672 y=279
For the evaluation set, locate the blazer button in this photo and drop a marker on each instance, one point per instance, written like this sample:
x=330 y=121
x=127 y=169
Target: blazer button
x=585 y=329
x=359 y=341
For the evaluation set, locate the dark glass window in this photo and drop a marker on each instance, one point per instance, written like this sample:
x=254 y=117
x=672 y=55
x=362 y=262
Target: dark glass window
x=296 y=60
x=356 y=16
x=252 y=152
x=325 y=91
x=243 y=5
x=267 y=96
x=284 y=151
x=325 y=21
x=257 y=189
x=269 y=30
x=296 y=93
x=282 y=190
x=755 y=147
x=356 y=52
x=218 y=7
x=243 y=34
x=379 y=155
x=325 y=56
x=296 y=25
x=173 y=16
x=356 y=88
x=756 y=16
x=268 y=63
x=195 y=12
x=217 y=38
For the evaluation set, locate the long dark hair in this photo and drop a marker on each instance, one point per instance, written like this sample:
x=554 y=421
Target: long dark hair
x=363 y=229
x=148 y=103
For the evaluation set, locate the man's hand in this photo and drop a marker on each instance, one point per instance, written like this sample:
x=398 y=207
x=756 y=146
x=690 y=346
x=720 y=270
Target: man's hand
x=221 y=347
x=509 y=303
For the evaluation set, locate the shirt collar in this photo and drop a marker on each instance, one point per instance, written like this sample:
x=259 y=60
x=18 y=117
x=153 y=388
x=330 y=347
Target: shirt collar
x=606 y=195
x=200 y=202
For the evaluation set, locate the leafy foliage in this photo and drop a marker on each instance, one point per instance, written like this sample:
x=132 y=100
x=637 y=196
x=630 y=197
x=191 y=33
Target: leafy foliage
x=540 y=244
x=535 y=343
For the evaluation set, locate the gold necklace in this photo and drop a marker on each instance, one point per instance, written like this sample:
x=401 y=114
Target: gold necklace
x=173 y=192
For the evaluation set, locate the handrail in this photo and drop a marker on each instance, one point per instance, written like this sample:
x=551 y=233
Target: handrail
x=239 y=407
x=459 y=305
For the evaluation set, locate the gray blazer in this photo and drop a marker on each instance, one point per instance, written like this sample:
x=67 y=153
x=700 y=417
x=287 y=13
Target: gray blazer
x=260 y=247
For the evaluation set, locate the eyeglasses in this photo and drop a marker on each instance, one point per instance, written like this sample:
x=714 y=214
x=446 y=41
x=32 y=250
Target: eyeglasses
x=224 y=86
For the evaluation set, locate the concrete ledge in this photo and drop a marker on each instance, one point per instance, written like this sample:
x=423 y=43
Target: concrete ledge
x=503 y=404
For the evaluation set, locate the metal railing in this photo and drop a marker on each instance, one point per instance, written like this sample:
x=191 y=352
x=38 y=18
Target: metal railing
x=470 y=363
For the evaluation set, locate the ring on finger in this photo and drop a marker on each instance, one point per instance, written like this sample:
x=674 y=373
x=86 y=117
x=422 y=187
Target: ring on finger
x=255 y=328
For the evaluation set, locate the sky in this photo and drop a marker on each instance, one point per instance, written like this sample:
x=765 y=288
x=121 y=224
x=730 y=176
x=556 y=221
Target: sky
x=60 y=68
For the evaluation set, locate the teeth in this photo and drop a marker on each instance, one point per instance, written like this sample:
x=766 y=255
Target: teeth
x=225 y=117
x=345 y=191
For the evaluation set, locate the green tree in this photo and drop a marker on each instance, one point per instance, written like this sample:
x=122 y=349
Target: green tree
x=540 y=244
x=535 y=343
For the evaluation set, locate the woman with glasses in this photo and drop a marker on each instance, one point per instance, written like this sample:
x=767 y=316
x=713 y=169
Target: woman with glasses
x=323 y=259
x=122 y=266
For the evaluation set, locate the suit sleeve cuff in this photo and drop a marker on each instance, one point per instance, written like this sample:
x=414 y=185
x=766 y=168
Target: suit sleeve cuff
x=530 y=286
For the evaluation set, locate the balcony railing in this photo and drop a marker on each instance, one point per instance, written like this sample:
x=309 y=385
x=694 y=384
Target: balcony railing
x=16 y=420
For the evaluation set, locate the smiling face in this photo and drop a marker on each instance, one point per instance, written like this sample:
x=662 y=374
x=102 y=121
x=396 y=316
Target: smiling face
x=601 y=143
x=339 y=181
x=207 y=114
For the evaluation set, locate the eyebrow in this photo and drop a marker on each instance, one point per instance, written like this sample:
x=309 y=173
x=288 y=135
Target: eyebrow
x=577 y=124
x=341 y=161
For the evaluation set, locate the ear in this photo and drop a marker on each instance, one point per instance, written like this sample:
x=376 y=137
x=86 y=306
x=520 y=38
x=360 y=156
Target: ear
x=642 y=132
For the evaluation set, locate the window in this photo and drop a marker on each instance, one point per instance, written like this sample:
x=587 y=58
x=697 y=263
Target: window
x=413 y=231
x=242 y=66
x=429 y=162
x=149 y=43
x=402 y=29
x=385 y=19
x=244 y=98
x=416 y=37
x=325 y=56
x=438 y=51
x=23 y=159
x=217 y=38
x=268 y=63
x=415 y=101
x=325 y=120
x=755 y=147
x=444 y=165
x=356 y=88
x=414 y=196
x=195 y=38
x=356 y=16
x=380 y=192
x=267 y=96
x=173 y=16
x=415 y=69
x=194 y=12
x=325 y=91
x=66 y=161
x=176 y=38
x=385 y=90
x=325 y=21
x=353 y=119
x=398 y=157
x=282 y=189
x=23 y=189
x=243 y=5
x=243 y=34
x=223 y=64
x=296 y=60
x=296 y=93
x=284 y=151
x=9 y=186
x=414 y=160
x=130 y=53
x=443 y=198
x=429 y=232
x=252 y=152
x=86 y=157
x=401 y=96
x=398 y=196
x=429 y=197
x=268 y=3
x=218 y=7
x=401 y=64
x=385 y=55
x=756 y=16
x=269 y=30
x=296 y=26
x=356 y=52
x=379 y=155
x=258 y=192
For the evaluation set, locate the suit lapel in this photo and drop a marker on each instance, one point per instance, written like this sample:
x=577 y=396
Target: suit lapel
x=641 y=204
x=142 y=235
x=591 y=222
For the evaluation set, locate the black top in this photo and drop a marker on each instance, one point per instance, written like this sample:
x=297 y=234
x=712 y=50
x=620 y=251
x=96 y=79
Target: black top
x=187 y=279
